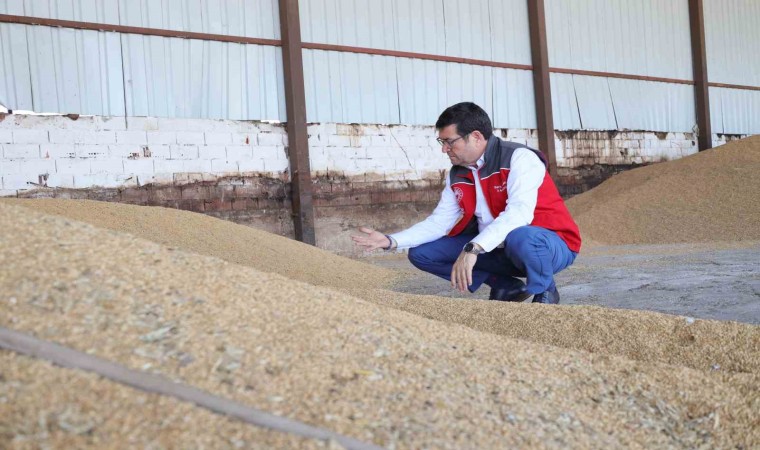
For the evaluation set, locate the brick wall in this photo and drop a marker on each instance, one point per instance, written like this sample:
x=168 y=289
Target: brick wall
x=388 y=177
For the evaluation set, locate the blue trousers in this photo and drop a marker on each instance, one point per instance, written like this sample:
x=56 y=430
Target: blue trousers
x=529 y=252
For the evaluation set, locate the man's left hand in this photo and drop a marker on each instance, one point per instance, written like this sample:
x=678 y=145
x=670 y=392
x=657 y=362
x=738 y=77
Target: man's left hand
x=461 y=273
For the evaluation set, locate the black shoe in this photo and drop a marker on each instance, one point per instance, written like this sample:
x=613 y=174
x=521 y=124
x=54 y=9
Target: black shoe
x=515 y=293
x=551 y=296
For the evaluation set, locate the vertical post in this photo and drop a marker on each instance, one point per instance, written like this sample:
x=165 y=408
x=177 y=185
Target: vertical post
x=541 y=83
x=699 y=66
x=298 y=142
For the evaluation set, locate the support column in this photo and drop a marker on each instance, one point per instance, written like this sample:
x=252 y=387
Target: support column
x=699 y=66
x=541 y=82
x=298 y=142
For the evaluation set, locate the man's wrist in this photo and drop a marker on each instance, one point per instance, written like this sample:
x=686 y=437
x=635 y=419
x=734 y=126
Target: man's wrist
x=391 y=243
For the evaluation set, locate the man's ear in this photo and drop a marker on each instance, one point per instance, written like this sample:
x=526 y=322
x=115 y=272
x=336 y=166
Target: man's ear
x=478 y=135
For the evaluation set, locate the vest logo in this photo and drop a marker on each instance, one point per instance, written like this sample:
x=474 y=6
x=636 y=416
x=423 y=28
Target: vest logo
x=501 y=188
x=459 y=194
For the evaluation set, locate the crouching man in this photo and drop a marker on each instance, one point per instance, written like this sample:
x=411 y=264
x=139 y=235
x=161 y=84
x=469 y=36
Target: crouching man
x=500 y=216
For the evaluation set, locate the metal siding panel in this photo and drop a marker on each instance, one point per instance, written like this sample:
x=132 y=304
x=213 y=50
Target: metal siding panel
x=345 y=22
x=732 y=38
x=15 y=77
x=369 y=89
x=740 y=110
x=419 y=26
x=564 y=103
x=172 y=77
x=350 y=87
x=594 y=103
x=315 y=74
x=653 y=106
x=468 y=83
x=98 y=11
x=15 y=7
x=629 y=36
x=276 y=97
x=249 y=18
x=422 y=90
x=716 y=110
x=469 y=34
x=66 y=67
x=514 y=105
x=323 y=79
x=558 y=33
x=214 y=100
x=510 y=35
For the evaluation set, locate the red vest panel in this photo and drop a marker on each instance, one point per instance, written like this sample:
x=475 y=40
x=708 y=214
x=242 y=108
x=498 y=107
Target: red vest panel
x=550 y=213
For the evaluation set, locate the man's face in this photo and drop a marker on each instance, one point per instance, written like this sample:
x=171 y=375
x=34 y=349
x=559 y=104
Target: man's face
x=460 y=149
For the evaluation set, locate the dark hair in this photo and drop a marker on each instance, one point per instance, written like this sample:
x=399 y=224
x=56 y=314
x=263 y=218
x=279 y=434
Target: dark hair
x=468 y=117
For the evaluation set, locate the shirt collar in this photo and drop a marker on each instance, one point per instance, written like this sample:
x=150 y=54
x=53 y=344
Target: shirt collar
x=479 y=163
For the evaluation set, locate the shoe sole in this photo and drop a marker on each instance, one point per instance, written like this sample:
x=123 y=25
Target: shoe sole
x=519 y=298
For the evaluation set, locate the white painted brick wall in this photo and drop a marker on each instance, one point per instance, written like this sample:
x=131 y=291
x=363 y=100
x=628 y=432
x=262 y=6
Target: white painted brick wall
x=21 y=151
x=73 y=166
x=8 y=167
x=113 y=152
x=270 y=139
x=138 y=166
x=212 y=152
x=161 y=137
x=191 y=137
x=239 y=152
x=37 y=166
x=216 y=138
x=30 y=137
x=159 y=151
x=223 y=166
x=106 y=166
x=252 y=165
x=184 y=152
x=60 y=180
x=131 y=137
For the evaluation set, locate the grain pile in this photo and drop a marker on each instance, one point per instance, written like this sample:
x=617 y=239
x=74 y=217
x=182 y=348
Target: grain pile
x=206 y=235
x=326 y=358
x=710 y=196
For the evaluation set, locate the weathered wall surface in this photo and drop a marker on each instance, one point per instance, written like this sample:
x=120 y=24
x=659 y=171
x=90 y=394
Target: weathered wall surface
x=388 y=177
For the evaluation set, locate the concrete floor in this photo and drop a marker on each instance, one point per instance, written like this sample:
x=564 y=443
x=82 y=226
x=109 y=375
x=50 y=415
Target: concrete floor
x=706 y=281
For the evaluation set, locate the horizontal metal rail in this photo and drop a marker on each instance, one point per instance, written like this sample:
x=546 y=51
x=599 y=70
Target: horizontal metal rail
x=25 y=20
x=73 y=359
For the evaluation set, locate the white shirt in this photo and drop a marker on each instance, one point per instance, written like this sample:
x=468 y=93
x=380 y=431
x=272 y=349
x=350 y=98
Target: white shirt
x=525 y=177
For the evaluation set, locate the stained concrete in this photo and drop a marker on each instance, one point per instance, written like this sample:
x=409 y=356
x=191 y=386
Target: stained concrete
x=706 y=281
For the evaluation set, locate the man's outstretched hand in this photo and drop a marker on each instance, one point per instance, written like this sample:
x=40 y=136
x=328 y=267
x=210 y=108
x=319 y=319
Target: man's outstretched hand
x=461 y=272
x=371 y=240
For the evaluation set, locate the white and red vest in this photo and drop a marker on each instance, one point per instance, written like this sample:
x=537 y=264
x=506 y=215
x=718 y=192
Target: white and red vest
x=550 y=213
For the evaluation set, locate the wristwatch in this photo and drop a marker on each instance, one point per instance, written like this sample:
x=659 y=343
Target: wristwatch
x=471 y=248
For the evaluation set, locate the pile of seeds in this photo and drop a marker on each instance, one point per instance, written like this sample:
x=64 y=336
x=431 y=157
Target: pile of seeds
x=710 y=196
x=337 y=361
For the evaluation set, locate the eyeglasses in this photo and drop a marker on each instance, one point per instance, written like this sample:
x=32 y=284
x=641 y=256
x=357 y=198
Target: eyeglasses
x=448 y=142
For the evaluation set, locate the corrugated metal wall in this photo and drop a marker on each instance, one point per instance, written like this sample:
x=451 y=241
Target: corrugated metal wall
x=91 y=72
x=411 y=91
x=637 y=37
x=732 y=39
x=114 y=74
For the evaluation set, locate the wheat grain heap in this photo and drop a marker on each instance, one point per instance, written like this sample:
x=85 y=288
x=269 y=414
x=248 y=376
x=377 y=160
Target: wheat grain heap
x=706 y=197
x=305 y=334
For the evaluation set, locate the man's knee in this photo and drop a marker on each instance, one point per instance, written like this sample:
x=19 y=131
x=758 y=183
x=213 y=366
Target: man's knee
x=519 y=240
x=416 y=256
